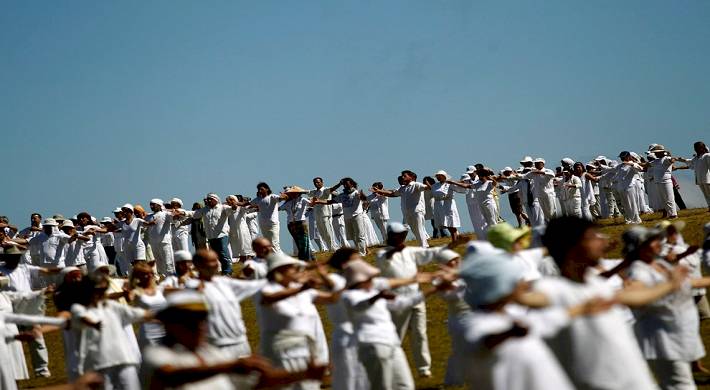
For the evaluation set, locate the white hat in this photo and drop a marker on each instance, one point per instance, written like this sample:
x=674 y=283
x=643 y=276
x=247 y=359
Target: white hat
x=441 y=172
x=520 y=170
x=465 y=176
x=106 y=220
x=634 y=155
x=67 y=223
x=480 y=248
x=231 y=197
x=156 y=201
x=446 y=255
x=50 y=222
x=539 y=160
x=67 y=270
x=471 y=169
x=127 y=206
x=567 y=161
x=396 y=228
x=600 y=158
x=526 y=159
x=182 y=255
x=186 y=300
x=176 y=200
x=117 y=210
x=279 y=259
x=490 y=279
x=358 y=271
x=214 y=196
x=507 y=169
x=652 y=146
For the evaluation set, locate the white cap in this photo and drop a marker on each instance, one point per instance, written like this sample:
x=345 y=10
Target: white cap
x=50 y=222
x=156 y=201
x=67 y=223
x=358 y=271
x=447 y=255
x=106 y=220
x=507 y=169
x=176 y=200
x=117 y=210
x=567 y=161
x=539 y=160
x=187 y=299
x=471 y=169
x=441 y=172
x=279 y=259
x=600 y=158
x=182 y=255
x=397 y=228
x=465 y=176
x=526 y=159
x=214 y=196
x=127 y=206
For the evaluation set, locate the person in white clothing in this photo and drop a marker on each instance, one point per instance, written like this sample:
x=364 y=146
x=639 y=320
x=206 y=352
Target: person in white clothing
x=131 y=234
x=323 y=215
x=700 y=163
x=296 y=207
x=180 y=232
x=268 y=204
x=531 y=204
x=625 y=173
x=93 y=250
x=183 y=272
x=411 y=193
x=661 y=169
x=32 y=231
x=48 y=249
x=378 y=205
x=483 y=189
x=573 y=194
x=256 y=268
x=239 y=234
x=351 y=200
x=446 y=214
x=226 y=329
x=542 y=187
x=160 y=237
x=340 y=236
x=506 y=183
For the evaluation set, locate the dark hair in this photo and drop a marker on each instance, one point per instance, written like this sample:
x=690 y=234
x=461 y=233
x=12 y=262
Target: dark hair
x=83 y=214
x=562 y=234
x=410 y=173
x=400 y=180
x=378 y=185
x=579 y=164
x=37 y=214
x=350 y=179
x=265 y=186
x=318 y=178
x=428 y=180
x=340 y=257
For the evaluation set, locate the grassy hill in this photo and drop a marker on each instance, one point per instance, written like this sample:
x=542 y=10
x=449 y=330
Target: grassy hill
x=438 y=337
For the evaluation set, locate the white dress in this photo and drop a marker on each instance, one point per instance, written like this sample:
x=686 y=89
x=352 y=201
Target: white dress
x=239 y=234
x=151 y=332
x=371 y=238
x=94 y=252
x=446 y=214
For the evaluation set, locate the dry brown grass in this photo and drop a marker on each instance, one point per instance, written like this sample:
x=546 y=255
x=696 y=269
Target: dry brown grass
x=438 y=337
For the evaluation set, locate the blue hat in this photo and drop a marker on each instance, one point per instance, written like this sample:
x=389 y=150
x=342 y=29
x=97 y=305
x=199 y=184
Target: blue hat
x=490 y=278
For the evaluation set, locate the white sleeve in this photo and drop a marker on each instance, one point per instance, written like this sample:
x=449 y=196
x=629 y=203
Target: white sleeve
x=24 y=319
x=402 y=302
x=246 y=288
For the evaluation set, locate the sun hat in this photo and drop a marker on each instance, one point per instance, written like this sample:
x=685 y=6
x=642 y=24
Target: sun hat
x=176 y=200
x=539 y=160
x=295 y=190
x=489 y=279
x=657 y=148
x=397 y=228
x=526 y=159
x=635 y=237
x=441 y=172
x=471 y=169
x=58 y=217
x=117 y=210
x=106 y=220
x=358 y=271
x=567 y=161
x=182 y=255
x=156 y=201
x=446 y=255
x=50 y=222
x=504 y=235
x=68 y=223
x=280 y=259
x=665 y=224
x=507 y=169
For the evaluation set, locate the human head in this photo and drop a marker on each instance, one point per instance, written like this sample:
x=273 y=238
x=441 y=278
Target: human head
x=700 y=148
x=578 y=169
x=642 y=243
x=206 y=262
x=342 y=256
x=262 y=247
x=142 y=275
x=156 y=205
x=400 y=180
x=176 y=203
x=196 y=206
x=348 y=184
x=318 y=182
x=527 y=162
x=11 y=255
x=408 y=176
x=139 y=211
x=262 y=190
x=491 y=281
x=212 y=200
x=282 y=268
x=574 y=242
x=183 y=262
x=185 y=319
x=378 y=185
x=539 y=163
x=396 y=234
x=71 y=275
x=35 y=219
x=83 y=218
x=428 y=180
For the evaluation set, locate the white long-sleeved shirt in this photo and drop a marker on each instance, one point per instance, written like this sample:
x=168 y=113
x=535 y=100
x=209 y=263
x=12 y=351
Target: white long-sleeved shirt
x=268 y=209
x=351 y=202
x=404 y=263
x=49 y=251
x=321 y=210
x=215 y=220
x=379 y=206
x=160 y=233
x=701 y=166
x=412 y=197
x=295 y=209
x=541 y=182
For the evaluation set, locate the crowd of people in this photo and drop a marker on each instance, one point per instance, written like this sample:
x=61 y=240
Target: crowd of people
x=537 y=306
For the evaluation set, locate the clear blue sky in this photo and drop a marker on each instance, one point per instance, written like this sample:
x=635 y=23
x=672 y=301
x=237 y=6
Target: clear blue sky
x=103 y=103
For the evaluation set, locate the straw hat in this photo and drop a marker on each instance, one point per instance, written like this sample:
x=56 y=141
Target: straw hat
x=295 y=190
x=280 y=259
x=50 y=222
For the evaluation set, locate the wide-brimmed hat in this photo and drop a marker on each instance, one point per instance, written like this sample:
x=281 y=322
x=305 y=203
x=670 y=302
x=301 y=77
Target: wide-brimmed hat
x=441 y=172
x=295 y=190
x=657 y=148
x=526 y=159
x=490 y=278
x=50 y=222
x=635 y=237
x=58 y=217
x=507 y=169
x=567 y=161
x=665 y=224
x=539 y=160
x=504 y=235
x=68 y=223
x=280 y=259
x=358 y=271
x=156 y=201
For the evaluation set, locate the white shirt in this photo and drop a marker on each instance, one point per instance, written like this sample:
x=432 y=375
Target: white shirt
x=701 y=166
x=295 y=209
x=259 y=267
x=224 y=321
x=661 y=169
x=625 y=174
x=268 y=208
x=160 y=232
x=379 y=206
x=573 y=192
x=131 y=232
x=412 y=197
x=352 y=205
x=109 y=346
x=214 y=219
x=598 y=351
x=321 y=210
x=404 y=264
x=20 y=278
x=49 y=251
x=295 y=313
x=541 y=182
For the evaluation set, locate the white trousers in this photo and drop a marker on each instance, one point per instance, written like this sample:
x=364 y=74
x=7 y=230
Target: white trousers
x=181 y=240
x=414 y=319
x=665 y=192
x=339 y=235
x=348 y=372
x=327 y=234
x=236 y=351
x=705 y=189
x=673 y=374
x=477 y=220
x=355 y=231
x=537 y=218
x=547 y=203
x=123 y=377
x=163 y=254
x=628 y=200
x=489 y=212
x=573 y=207
x=270 y=231
x=386 y=367
x=416 y=221
x=381 y=224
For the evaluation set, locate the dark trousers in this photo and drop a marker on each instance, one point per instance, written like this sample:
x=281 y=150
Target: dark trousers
x=111 y=254
x=220 y=245
x=678 y=199
x=299 y=232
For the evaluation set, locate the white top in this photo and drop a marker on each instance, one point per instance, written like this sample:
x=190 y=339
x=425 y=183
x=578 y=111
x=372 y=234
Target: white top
x=412 y=197
x=518 y=363
x=337 y=209
x=598 y=351
x=541 y=182
x=215 y=220
x=223 y=294
x=296 y=313
x=352 y=205
x=160 y=232
x=661 y=169
x=321 y=210
x=259 y=266
x=379 y=206
x=625 y=175
x=573 y=192
x=74 y=255
x=483 y=190
x=151 y=331
x=373 y=322
x=131 y=232
x=49 y=251
x=109 y=346
x=20 y=278
x=268 y=208
x=701 y=166
x=668 y=328
x=531 y=261
x=404 y=263
x=295 y=209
